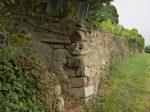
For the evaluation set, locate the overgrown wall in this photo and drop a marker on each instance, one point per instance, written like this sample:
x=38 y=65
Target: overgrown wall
x=80 y=57
x=91 y=55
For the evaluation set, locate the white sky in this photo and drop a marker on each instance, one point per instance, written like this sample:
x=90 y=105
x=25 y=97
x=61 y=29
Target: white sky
x=135 y=14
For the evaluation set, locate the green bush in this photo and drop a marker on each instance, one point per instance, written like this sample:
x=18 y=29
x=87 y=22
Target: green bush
x=132 y=35
x=3 y=3
x=26 y=84
x=147 y=49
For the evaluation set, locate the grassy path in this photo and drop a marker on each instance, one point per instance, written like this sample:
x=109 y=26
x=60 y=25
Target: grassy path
x=128 y=90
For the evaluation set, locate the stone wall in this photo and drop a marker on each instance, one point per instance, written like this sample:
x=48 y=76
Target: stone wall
x=91 y=54
x=80 y=58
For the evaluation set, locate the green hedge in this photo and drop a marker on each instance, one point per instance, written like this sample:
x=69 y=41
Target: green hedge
x=147 y=49
x=132 y=35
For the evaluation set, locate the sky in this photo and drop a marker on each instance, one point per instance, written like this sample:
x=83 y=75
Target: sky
x=135 y=14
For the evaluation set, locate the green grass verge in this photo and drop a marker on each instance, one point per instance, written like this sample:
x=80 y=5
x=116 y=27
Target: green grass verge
x=126 y=91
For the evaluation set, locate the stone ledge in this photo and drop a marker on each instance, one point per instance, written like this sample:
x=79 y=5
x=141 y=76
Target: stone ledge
x=82 y=92
x=80 y=48
x=85 y=71
x=78 y=36
x=78 y=82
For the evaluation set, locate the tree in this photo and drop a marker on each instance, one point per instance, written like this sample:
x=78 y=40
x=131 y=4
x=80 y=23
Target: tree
x=147 y=49
x=95 y=11
x=108 y=12
x=91 y=7
x=81 y=6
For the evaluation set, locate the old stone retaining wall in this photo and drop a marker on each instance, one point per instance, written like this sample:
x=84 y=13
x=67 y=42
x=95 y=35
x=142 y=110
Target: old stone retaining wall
x=80 y=58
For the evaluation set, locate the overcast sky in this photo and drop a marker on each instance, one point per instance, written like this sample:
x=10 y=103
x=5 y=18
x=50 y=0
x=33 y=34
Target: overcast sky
x=135 y=14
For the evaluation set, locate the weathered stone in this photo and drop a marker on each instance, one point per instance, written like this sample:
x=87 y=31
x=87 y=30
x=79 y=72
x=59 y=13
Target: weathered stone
x=60 y=55
x=78 y=82
x=82 y=92
x=57 y=90
x=81 y=58
x=97 y=83
x=74 y=62
x=78 y=36
x=50 y=38
x=44 y=51
x=57 y=46
x=92 y=80
x=60 y=104
x=69 y=72
x=83 y=71
x=80 y=48
x=86 y=71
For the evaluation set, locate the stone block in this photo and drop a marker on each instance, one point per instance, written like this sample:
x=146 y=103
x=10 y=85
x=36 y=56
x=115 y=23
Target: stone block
x=92 y=80
x=57 y=90
x=82 y=92
x=74 y=62
x=60 y=104
x=85 y=71
x=69 y=72
x=78 y=82
x=78 y=36
x=80 y=48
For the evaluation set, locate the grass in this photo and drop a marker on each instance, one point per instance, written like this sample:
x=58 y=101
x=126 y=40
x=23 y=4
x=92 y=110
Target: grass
x=126 y=91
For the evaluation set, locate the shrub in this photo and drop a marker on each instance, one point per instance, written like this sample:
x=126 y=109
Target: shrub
x=147 y=49
x=26 y=84
x=132 y=35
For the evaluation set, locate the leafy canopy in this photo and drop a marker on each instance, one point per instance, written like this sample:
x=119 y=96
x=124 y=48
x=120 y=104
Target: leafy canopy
x=147 y=49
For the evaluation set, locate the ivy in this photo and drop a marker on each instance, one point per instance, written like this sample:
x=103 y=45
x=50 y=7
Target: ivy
x=26 y=84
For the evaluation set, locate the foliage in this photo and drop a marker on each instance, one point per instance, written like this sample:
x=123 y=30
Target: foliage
x=104 y=13
x=99 y=10
x=132 y=35
x=126 y=91
x=96 y=4
x=147 y=49
x=61 y=8
x=26 y=84
x=108 y=12
x=6 y=2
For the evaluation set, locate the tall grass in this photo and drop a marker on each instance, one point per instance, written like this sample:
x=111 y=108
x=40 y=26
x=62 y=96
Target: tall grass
x=126 y=91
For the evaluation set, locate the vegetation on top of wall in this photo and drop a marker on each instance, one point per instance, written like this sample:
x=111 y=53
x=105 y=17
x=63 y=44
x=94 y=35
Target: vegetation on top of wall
x=147 y=49
x=60 y=6
x=132 y=35
x=108 y=12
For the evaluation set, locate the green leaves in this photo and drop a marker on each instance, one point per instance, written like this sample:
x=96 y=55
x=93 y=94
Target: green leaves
x=4 y=3
x=18 y=90
x=12 y=1
x=108 y=12
x=147 y=49
x=20 y=78
x=132 y=35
